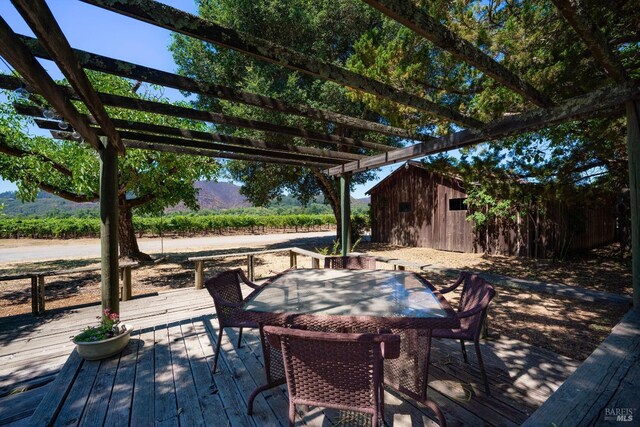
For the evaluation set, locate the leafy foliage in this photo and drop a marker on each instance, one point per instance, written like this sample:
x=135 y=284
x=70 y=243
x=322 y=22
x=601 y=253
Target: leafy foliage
x=109 y=327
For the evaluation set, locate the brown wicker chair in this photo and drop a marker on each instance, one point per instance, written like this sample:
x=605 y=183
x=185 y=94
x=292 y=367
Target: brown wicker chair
x=350 y=262
x=226 y=292
x=476 y=295
x=333 y=370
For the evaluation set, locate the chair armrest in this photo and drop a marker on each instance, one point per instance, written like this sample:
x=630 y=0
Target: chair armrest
x=457 y=283
x=274 y=341
x=390 y=346
x=474 y=310
x=219 y=300
x=484 y=303
x=246 y=280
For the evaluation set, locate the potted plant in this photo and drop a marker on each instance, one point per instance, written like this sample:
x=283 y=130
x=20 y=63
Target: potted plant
x=108 y=338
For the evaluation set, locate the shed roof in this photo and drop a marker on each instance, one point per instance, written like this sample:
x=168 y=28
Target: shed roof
x=406 y=166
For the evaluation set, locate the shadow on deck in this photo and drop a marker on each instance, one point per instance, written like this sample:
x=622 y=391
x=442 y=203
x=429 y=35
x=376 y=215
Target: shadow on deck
x=163 y=377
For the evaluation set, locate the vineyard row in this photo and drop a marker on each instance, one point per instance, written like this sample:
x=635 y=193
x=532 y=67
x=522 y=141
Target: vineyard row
x=61 y=228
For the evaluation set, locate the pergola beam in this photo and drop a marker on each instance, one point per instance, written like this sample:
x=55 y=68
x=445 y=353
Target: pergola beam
x=223 y=119
x=214 y=154
x=130 y=70
x=189 y=134
x=580 y=107
x=8 y=82
x=37 y=14
x=12 y=49
x=193 y=26
x=183 y=142
x=589 y=32
x=419 y=21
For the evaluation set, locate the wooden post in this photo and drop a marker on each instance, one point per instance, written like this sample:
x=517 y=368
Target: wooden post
x=250 y=266
x=37 y=295
x=109 y=225
x=345 y=213
x=125 y=273
x=199 y=274
x=40 y=294
x=34 y=296
x=633 y=149
x=293 y=259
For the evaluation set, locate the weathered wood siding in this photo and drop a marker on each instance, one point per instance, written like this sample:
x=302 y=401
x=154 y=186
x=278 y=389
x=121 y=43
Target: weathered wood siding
x=411 y=208
x=428 y=221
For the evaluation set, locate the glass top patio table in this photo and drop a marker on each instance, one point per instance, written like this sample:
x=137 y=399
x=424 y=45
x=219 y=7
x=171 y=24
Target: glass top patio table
x=354 y=298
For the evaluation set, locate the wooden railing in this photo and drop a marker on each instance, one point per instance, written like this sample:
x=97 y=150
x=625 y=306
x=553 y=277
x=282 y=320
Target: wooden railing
x=293 y=261
x=38 y=283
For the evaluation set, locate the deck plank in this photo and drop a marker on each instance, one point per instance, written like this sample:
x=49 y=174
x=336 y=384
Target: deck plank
x=21 y=405
x=166 y=409
x=143 y=406
x=119 y=411
x=605 y=379
x=95 y=410
x=189 y=411
x=224 y=384
x=50 y=405
x=262 y=413
x=212 y=409
x=74 y=404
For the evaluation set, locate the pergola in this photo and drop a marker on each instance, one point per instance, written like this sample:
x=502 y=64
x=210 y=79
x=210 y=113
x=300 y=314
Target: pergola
x=110 y=137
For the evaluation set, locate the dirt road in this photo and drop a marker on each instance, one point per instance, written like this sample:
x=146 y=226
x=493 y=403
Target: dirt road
x=14 y=250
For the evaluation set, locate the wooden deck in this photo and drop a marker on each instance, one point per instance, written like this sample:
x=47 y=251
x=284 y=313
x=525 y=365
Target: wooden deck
x=163 y=378
x=604 y=389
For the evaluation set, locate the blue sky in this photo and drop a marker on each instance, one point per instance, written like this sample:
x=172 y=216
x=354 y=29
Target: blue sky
x=96 y=30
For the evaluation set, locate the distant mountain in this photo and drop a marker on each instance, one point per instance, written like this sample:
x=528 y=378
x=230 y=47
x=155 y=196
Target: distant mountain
x=212 y=196
x=216 y=196
x=45 y=204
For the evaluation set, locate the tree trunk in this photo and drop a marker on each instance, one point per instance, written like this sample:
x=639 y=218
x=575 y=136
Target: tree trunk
x=127 y=241
x=331 y=194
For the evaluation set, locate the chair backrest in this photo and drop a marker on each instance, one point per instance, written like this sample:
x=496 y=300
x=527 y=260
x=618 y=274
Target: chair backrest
x=334 y=370
x=225 y=286
x=350 y=262
x=476 y=292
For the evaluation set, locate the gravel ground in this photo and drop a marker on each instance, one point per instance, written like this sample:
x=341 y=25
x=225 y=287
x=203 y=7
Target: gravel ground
x=562 y=325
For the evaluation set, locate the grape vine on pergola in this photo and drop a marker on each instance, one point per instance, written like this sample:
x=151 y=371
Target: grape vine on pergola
x=110 y=137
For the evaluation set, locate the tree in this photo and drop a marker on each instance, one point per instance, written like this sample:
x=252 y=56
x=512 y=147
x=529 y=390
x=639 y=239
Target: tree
x=148 y=181
x=324 y=29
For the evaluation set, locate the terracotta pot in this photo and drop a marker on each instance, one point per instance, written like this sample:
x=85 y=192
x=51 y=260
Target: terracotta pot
x=97 y=350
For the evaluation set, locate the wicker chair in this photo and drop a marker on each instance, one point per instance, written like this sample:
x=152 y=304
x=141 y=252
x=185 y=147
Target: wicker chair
x=333 y=370
x=476 y=295
x=226 y=292
x=350 y=262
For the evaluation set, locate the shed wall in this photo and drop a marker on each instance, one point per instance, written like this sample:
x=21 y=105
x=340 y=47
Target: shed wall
x=411 y=208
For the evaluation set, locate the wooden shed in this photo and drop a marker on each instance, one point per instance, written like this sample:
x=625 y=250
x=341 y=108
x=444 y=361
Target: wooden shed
x=417 y=207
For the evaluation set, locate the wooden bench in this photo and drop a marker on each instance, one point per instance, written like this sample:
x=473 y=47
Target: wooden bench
x=293 y=261
x=604 y=389
x=398 y=264
x=38 y=283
